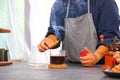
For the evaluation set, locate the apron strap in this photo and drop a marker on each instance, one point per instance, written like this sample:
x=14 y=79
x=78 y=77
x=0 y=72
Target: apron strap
x=88 y=6
x=68 y=6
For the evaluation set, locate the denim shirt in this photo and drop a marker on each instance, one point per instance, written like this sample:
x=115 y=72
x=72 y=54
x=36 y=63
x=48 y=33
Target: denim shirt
x=105 y=16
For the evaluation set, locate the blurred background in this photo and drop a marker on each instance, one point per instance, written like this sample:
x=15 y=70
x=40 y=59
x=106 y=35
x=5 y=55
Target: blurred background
x=28 y=21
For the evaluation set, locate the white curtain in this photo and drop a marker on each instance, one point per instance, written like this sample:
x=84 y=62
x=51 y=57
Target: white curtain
x=35 y=23
x=118 y=4
x=15 y=39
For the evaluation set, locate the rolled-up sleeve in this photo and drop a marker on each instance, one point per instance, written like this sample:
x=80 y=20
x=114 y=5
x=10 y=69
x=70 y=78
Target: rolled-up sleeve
x=57 y=20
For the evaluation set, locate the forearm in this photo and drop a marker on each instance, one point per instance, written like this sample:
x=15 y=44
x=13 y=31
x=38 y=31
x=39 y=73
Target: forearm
x=100 y=52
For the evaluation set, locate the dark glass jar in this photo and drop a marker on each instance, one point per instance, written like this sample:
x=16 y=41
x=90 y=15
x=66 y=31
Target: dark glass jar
x=3 y=54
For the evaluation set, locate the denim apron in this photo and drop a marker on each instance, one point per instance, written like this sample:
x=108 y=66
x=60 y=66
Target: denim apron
x=80 y=32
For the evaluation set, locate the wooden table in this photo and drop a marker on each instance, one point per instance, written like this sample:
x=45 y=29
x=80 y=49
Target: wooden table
x=24 y=71
x=2 y=30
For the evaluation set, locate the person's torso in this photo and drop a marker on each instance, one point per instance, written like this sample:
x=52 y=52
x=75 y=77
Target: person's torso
x=78 y=8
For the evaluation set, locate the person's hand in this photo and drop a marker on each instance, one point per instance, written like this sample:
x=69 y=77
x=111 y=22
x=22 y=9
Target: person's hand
x=47 y=43
x=89 y=60
x=44 y=44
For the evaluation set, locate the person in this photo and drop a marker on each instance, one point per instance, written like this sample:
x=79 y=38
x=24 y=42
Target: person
x=105 y=18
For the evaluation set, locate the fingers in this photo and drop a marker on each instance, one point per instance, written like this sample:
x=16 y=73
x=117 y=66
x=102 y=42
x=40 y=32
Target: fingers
x=47 y=44
x=86 y=64
x=43 y=46
x=87 y=60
